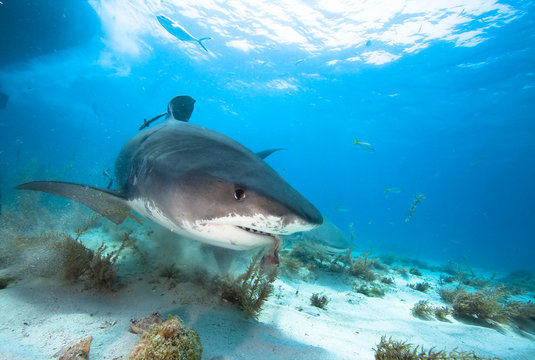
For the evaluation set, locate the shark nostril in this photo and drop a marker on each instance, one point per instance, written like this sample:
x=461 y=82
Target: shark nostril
x=239 y=194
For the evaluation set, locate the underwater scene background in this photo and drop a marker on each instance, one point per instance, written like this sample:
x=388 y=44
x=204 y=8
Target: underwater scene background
x=409 y=124
x=443 y=92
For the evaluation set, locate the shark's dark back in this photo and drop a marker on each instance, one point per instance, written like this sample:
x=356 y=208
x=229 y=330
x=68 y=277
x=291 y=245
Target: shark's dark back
x=178 y=148
x=176 y=152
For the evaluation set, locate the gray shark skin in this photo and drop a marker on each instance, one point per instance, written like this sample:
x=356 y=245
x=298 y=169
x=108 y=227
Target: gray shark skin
x=198 y=183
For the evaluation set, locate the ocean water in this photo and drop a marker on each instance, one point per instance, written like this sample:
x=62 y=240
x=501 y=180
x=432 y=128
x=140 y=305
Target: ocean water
x=443 y=92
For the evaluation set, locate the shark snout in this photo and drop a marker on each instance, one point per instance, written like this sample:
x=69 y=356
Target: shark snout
x=312 y=215
x=307 y=215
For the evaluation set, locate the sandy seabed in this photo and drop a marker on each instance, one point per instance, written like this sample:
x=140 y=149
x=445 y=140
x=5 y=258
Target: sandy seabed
x=41 y=316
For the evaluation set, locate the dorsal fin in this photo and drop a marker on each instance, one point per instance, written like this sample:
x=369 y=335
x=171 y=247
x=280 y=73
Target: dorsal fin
x=180 y=108
x=265 y=153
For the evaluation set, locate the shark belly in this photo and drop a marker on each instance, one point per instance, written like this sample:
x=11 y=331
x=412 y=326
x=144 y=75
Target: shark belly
x=221 y=235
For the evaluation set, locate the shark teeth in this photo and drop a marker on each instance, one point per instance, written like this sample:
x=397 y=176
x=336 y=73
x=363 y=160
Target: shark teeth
x=254 y=231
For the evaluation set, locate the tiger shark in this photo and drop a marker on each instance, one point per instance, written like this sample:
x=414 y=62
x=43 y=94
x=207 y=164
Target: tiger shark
x=198 y=183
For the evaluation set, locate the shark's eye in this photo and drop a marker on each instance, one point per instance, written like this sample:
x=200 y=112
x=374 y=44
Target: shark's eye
x=239 y=194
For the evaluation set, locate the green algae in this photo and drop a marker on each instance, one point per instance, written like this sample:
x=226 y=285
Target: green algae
x=252 y=288
x=319 y=301
x=170 y=340
x=399 y=350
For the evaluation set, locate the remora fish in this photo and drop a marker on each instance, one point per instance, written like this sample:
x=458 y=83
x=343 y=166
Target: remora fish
x=178 y=31
x=199 y=183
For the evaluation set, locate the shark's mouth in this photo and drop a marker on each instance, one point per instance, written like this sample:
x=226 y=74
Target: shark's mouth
x=254 y=231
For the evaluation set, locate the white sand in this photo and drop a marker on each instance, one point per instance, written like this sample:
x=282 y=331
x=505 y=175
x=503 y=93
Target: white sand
x=39 y=317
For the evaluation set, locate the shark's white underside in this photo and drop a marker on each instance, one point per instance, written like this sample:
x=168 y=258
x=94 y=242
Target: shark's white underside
x=233 y=231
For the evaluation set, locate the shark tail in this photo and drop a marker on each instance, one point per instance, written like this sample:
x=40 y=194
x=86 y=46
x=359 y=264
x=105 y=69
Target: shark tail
x=201 y=40
x=106 y=202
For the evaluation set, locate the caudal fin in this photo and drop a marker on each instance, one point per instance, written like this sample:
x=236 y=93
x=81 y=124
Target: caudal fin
x=106 y=202
x=201 y=40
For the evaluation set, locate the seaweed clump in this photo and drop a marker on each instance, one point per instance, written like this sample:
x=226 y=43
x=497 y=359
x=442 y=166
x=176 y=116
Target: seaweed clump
x=292 y=265
x=371 y=290
x=308 y=258
x=79 y=350
x=362 y=268
x=487 y=306
x=303 y=257
x=387 y=280
x=76 y=258
x=98 y=267
x=5 y=281
x=520 y=281
x=520 y=314
x=102 y=270
x=478 y=306
x=441 y=313
x=397 y=350
x=422 y=286
x=172 y=274
x=481 y=306
x=319 y=301
x=252 y=288
x=170 y=340
x=423 y=310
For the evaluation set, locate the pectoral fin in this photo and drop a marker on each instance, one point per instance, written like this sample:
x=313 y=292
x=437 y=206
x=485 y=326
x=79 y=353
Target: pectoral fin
x=106 y=202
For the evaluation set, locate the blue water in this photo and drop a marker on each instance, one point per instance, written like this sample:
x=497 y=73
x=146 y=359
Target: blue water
x=453 y=120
